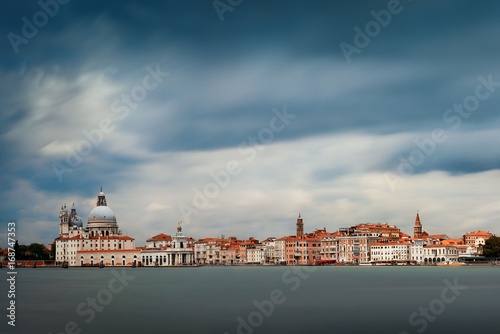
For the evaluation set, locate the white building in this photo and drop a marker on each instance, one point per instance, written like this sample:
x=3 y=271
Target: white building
x=440 y=254
x=269 y=247
x=256 y=255
x=390 y=252
x=417 y=251
x=179 y=253
x=280 y=251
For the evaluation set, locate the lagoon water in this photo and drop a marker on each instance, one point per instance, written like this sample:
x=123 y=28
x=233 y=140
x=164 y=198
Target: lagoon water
x=255 y=300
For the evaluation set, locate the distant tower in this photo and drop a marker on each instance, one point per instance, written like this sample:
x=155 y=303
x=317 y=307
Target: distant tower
x=417 y=229
x=64 y=223
x=300 y=227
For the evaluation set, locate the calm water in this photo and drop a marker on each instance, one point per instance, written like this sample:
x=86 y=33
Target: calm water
x=256 y=300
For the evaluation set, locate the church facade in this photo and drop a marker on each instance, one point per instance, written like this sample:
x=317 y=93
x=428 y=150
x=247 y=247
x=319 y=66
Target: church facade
x=101 y=243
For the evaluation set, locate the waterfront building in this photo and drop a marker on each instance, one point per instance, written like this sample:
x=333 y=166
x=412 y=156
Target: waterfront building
x=390 y=252
x=100 y=242
x=269 y=247
x=280 y=250
x=417 y=250
x=214 y=251
x=466 y=251
x=476 y=239
x=179 y=253
x=440 y=254
x=230 y=253
x=207 y=250
x=355 y=249
x=303 y=249
x=256 y=254
x=329 y=247
x=384 y=231
x=159 y=241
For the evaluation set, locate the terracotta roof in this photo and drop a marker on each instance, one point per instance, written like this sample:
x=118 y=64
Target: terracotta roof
x=160 y=237
x=478 y=233
x=458 y=241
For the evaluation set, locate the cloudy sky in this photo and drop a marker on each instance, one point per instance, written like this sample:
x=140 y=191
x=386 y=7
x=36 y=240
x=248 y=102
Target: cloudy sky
x=234 y=116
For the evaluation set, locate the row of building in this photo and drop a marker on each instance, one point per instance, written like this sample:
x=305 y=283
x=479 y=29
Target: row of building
x=102 y=243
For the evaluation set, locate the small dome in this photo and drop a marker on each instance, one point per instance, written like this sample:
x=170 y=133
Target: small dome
x=102 y=214
x=76 y=221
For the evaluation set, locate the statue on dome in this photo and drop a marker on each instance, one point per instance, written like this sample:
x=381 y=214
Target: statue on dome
x=179 y=226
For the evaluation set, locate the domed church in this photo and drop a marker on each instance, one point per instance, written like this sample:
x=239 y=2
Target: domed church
x=101 y=242
x=102 y=220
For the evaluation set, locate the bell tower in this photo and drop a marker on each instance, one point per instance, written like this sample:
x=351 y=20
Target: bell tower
x=64 y=221
x=417 y=228
x=300 y=227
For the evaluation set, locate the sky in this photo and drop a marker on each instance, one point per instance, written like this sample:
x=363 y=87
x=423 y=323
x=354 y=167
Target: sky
x=234 y=116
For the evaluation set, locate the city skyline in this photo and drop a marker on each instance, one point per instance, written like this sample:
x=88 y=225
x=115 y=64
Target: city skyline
x=308 y=230
x=235 y=120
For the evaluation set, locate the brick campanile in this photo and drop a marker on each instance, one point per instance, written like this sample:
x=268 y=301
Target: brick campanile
x=300 y=227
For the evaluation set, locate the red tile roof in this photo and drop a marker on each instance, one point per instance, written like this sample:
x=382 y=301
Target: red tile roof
x=160 y=237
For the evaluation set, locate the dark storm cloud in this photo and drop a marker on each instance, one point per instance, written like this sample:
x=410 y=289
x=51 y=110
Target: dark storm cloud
x=226 y=78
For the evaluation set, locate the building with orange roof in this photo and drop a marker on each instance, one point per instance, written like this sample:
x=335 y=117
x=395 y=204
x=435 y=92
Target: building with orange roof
x=229 y=254
x=354 y=243
x=159 y=241
x=302 y=249
x=214 y=251
x=355 y=249
x=476 y=239
x=329 y=247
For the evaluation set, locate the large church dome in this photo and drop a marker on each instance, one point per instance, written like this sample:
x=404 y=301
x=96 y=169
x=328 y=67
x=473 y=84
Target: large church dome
x=102 y=214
